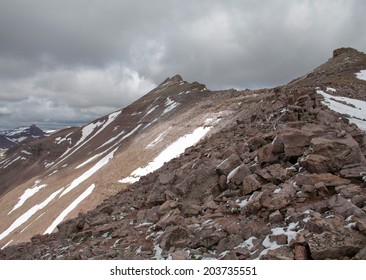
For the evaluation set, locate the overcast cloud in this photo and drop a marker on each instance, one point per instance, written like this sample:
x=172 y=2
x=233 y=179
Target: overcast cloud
x=69 y=62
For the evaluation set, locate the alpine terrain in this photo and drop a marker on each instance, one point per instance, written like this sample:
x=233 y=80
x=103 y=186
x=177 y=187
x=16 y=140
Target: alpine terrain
x=189 y=173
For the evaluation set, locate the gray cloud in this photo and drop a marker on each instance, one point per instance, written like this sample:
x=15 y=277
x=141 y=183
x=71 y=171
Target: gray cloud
x=72 y=61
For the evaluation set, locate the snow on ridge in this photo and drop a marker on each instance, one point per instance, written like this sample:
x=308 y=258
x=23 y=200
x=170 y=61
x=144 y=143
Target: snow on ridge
x=27 y=215
x=71 y=207
x=89 y=173
x=361 y=75
x=356 y=110
x=28 y=193
x=172 y=151
x=169 y=105
x=88 y=160
x=111 y=139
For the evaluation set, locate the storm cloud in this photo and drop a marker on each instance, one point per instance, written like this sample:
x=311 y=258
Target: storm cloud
x=69 y=62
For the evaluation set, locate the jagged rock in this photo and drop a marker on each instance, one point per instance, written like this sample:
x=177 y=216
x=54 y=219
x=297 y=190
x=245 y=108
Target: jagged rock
x=330 y=154
x=280 y=239
x=157 y=195
x=166 y=178
x=191 y=209
x=328 y=179
x=283 y=198
x=361 y=225
x=354 y=171
x=175 y=236
x=294 y=142
x=267 y=154
x=250 y=184
x=209 y=237
x=359 y=200
x=343 y=207
x=274 y=173
x=228 y=243
x=173 y=217
x=300 y=252
x=180 y=255
x=226 y=166
x=281 y=253
x=335 y=245
x=348 y=191
x=254 y=204
x=361 y=255
x=276 y=217
x=167 y=206
x=222 y=182
x=256 y=142
x=236 y=176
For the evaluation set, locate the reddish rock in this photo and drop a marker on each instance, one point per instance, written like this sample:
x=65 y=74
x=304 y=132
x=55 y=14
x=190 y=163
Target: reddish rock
x=283 y=198
x=361 y=225
x=276 y=217
x=229 y=164
x=250 y=184
x=300 y=252
x=267 y=154
x=343 y=207
x=256 y=142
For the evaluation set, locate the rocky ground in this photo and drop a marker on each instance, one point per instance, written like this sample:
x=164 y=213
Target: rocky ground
x=285 y=180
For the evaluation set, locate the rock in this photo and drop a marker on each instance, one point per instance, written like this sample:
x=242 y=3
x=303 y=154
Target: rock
x=180 y=255
x=361 y=225
x=283 y=198
x=281 y=253
x=228 y=243
x=361 y=255
x=267 y=154
x=254 y=204
x=280 y=239
x=151 y=214
x=175 y=236
x=107 y=209
x=300 y=252
x=242 y=253
x=166 y=178
x=209 y=237
x=167 y=206
x=354 y=171
x=328 y=179
x=250 y=184
x=294 y=142
x=335 y=245
x=348 y=191
x=222 y=183
x=359 y=200
x=330 y=154
x=191 y=209
x=226 y=166
x=276 y=217
x=236 y=176
x=157 y=195
x=343 y=207
x=256 y=142
x=275 y=173
x=173 y=217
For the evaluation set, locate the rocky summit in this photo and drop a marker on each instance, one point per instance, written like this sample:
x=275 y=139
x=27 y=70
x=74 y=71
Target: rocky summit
x=189 y=173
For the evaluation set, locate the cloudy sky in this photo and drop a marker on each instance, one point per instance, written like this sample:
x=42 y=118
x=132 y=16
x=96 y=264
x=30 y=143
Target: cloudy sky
x=69 y=62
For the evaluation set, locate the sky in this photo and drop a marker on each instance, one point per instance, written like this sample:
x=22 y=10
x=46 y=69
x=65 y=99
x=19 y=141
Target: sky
x=70 y=62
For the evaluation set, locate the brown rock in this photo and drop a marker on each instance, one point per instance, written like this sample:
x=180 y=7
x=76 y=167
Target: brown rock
x=250 y=184
x=267 y=154
x=175 y=236
x=166 y=178
x=256 y=142
x=276 y=217
x=226 y=166
x=348 y=191
x=280 y=239
x=173 y=217
x=343 y=207
x=328 y=179
x=167 y=206
x=361 y=255
x=300 y=252
x=236 y=176
x=180 y=255
x=335 y=245
x=222 y=182
x=281 y=253
x=361 y=225
x=283 y=198
x=275 y=173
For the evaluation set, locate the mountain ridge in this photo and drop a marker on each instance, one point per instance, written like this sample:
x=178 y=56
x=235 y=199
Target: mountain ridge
x=275 y=174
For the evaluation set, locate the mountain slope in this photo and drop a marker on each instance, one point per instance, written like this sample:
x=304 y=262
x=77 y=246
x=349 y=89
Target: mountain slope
x=278 y=174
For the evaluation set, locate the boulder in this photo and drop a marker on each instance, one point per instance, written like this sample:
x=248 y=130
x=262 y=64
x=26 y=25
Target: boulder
x=166 y=178
x=328 y=179
x=236 y=176
x=276 y=217
x=348 y=191
x=335 y=245
x=343 y=207
x=330 y=154
x=173 y=217
x=175 y=236
x=267 y=154
x=250 y=184
x=283 y=198
x=256 y=142
x=361 y=225
x=275 y=173
x=229 y=164
x=281 y=253
x=300 y=252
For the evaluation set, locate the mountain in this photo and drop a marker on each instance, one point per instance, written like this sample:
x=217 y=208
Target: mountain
x=10 y=138
x=189 y=173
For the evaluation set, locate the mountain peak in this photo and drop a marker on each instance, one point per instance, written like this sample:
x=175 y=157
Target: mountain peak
x=343 y=50
x=175 y=79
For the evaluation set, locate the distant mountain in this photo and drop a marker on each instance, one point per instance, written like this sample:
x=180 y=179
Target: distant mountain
x=189 y=173
x=10 y=138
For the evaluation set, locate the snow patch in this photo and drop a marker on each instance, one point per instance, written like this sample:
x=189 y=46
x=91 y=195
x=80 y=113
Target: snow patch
x=361 y=75
x=169 y=105
x=247 y=243
x=28 y=193
x=355 y=108
x=89 y=173
x=27 y=215
x=172 y=151
x=71 y=207
x=87 y=161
